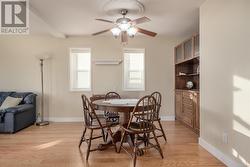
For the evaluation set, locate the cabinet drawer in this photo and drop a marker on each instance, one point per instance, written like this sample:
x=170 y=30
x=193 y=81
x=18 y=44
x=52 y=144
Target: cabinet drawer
x=188 y=106
x=188 y=112
x=187 y=101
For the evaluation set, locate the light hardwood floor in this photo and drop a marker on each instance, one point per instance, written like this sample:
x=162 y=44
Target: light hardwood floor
x=56 y=145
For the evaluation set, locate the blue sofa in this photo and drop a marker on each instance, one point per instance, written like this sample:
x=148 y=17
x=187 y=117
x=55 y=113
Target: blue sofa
x=16 y=118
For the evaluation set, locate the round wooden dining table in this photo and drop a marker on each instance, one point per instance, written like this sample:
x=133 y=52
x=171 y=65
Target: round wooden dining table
x=124 y=107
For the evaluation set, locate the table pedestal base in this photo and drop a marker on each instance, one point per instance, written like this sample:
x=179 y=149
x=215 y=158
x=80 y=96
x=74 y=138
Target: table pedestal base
x=116 y=139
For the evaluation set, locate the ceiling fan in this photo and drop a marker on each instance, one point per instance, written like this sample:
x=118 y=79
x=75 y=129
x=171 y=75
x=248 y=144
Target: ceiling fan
x=126 y=27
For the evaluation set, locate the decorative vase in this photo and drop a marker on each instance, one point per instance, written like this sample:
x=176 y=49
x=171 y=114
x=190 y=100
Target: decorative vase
x=189 y=84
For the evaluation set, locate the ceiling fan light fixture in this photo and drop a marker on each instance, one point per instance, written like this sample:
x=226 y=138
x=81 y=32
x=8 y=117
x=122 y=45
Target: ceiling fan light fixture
x=124 y=26
x=116 y=31
x=132 y=31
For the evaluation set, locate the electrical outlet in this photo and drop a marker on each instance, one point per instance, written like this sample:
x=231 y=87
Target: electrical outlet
x=225 y=138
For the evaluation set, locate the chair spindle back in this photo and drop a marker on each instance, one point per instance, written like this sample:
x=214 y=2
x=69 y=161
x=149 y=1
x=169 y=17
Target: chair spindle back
x=112 y=95
x=157 y=96
x=89 y=112
x=145 y=110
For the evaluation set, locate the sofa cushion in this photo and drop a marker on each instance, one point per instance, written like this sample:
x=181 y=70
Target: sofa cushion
x=19 y=109
x=10 y=102
x=3 y=96
x=20 y=95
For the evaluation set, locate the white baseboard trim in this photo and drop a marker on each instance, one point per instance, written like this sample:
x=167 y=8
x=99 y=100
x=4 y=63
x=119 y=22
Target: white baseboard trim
x=218 y=154
x=168 y=118
x=65 y=119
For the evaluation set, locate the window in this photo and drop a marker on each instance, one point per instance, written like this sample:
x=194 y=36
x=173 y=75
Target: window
x=134 y=72
x=80 y=69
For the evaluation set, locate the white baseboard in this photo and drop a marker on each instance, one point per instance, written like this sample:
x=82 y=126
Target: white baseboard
x=218 y=154
x=65 y=119
x=80 y=119
x=168 y=118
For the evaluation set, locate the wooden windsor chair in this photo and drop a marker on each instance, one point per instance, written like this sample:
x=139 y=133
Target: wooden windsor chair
x=92 y=122
x=157 y=119
x=141 y=125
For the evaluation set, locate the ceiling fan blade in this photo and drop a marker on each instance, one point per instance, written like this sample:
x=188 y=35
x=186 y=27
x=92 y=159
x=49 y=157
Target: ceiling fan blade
x=101 y=32
x=140 y=20
x=124 y=37
x=105 y=20
x=146 y=32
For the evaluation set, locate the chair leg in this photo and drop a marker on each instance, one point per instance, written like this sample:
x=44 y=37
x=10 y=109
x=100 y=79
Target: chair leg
x=89 y=144
x=135 y=151
x=106 y=137
x=163 y=133
x=145 y=139
x=122 y=140
x=103 y=136
x=148 y=138
x=83 y=134
x=158 y=145
x=131 y=139
x=109 y=131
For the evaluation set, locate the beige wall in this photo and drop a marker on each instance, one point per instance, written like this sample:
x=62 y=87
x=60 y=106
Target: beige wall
x=19 y=69
x=225 y=76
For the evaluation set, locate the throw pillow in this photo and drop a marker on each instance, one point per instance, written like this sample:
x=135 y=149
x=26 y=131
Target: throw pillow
x=10 y=102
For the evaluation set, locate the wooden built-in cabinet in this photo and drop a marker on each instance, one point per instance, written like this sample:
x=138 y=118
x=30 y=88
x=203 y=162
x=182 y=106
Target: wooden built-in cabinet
x=187 y=69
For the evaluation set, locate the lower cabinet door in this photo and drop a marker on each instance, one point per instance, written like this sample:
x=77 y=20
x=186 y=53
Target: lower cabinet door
x=178 y=105
x=188 y=109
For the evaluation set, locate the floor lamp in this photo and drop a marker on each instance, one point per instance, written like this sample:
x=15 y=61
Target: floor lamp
x=42 y=59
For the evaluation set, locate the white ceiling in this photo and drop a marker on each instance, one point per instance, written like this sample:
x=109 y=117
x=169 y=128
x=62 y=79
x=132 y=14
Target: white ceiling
x=173 y=18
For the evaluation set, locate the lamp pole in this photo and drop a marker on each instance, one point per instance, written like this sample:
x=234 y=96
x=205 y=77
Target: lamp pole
x=42 y=123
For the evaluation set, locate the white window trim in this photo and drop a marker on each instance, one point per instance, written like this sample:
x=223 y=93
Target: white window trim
x=144 y=73
x=71 y=87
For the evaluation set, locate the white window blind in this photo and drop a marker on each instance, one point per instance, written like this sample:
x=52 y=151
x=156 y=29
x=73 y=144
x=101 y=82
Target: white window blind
x=80 y=69
x=134 y=70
